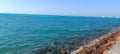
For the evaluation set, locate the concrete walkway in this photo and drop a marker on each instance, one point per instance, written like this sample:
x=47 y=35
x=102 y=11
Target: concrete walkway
x=115 y=49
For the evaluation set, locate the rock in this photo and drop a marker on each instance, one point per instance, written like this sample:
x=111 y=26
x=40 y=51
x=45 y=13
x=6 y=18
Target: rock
x=101 y=46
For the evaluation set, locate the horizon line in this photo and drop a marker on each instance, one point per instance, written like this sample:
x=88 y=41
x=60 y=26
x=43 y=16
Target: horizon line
x=60 y=15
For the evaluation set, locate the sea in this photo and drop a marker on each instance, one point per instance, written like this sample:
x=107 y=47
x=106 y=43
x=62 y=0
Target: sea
x=51 y=34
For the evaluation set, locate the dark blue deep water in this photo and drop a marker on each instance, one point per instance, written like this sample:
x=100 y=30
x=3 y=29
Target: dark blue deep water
x=25 y=34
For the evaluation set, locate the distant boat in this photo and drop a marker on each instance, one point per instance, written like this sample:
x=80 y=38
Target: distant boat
x=103 y=16
x=117 y=17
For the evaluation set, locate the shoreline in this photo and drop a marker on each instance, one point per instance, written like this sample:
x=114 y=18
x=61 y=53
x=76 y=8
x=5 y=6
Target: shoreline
x=101 y=45
x=73 y=44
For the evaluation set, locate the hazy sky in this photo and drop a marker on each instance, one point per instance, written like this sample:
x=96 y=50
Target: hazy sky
x=62 y=7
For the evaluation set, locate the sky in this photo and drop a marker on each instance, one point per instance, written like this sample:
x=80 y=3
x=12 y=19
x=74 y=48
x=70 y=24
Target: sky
x=62 y=7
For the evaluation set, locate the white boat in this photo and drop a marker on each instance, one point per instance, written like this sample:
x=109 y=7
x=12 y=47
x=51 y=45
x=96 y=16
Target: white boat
x=117 y=17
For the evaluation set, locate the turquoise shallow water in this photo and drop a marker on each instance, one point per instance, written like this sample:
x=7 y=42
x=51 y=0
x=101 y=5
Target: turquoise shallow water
x=25 y=34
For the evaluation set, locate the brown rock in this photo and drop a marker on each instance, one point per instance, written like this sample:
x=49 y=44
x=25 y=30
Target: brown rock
x=100 y=46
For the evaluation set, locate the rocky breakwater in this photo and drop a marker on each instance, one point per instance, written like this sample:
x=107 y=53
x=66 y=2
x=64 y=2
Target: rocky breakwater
x=101 y=45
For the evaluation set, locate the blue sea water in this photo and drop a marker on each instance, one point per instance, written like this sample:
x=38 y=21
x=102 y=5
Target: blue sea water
x=25 y=34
